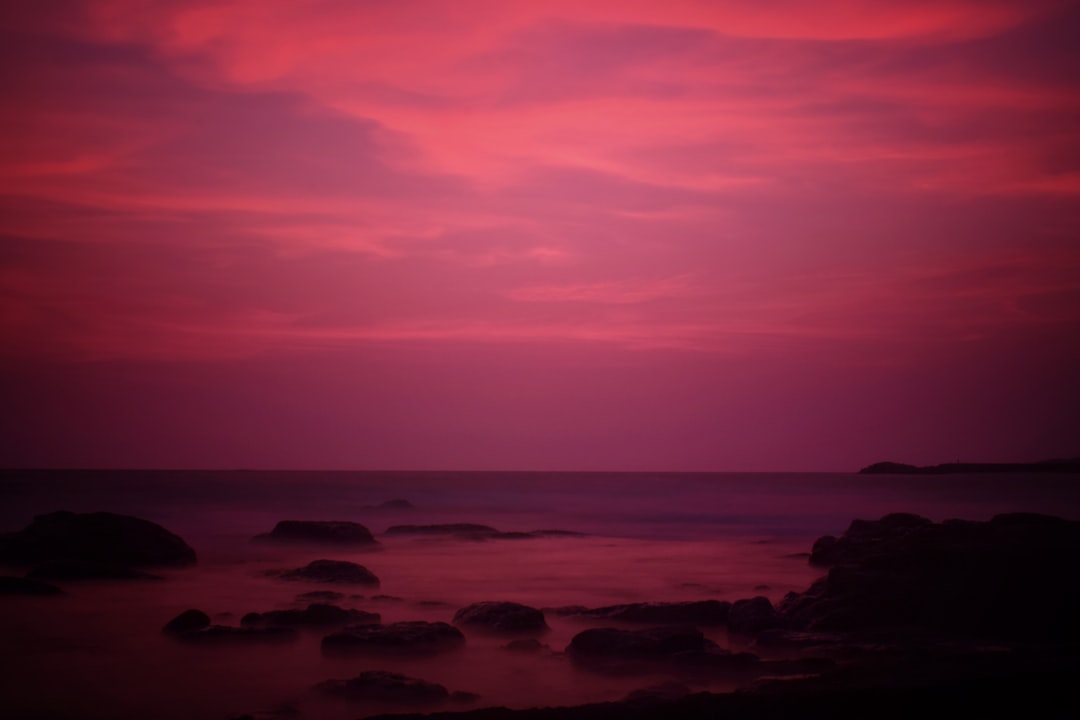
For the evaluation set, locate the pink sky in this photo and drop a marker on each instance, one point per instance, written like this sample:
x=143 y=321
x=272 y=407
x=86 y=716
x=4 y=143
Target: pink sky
x=494 y=234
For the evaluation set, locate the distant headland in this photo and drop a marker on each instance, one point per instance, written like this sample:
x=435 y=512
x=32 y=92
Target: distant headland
x=1071 y=465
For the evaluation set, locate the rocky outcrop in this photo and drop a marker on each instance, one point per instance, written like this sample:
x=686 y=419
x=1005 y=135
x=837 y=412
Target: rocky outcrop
x=314 y=615
x=188 y=621
x=614 y=650
x=331 y=571
x=319 y=532
x=379 y=686
x=100 y=538
x=749 y=617
x=412 y=638
x=501 y=618
x=703 y=612
x=1012 y=577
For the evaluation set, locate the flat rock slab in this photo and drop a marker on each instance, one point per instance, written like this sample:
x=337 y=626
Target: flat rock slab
x=331 y=571
x=502 y=618
x=319 y=532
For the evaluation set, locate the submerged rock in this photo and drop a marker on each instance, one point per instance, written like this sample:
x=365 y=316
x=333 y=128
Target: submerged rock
x=188 y=621
x=386 y=687
x=703 y=612
x=26 y=586
x=749 y=617
x=100 y=538
x=320 y=532
x=503 y=618
x=314 y=615
x=403 y=638
x=332 y=571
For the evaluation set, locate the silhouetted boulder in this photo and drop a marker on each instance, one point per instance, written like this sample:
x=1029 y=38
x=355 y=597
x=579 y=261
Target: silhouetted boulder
x=702 y=612
x=385 y=687
x=26 y=586
x=332 y=571
x=100 y=538
x=403 y=638
x=503 y=618
x=621 y=651
x=80 y=570
x=187 y=622
x=319 y=532
x=749 y=617
x=314 y=615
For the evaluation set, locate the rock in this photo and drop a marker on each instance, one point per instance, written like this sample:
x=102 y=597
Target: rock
x=187 y=622
x=325 y=595
x=403 y=638
x=1011 y=578
x=502 y=618
x=100 y=538
x=226 y=635
x=627 y=651
x=703 y=612
x=467 y=530
x=660 y=693
x=332 y=571
x=385 y=687
x=314 y=615
x=749 y=617
x=80 y=570
x=320 y=532
x=26 y=586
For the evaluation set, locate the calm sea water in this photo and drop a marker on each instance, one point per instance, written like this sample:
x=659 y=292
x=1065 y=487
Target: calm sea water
x=97 y=652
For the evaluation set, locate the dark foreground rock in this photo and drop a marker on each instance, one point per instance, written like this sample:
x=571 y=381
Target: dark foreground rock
x=616 y=651
x=1013 y=577
x=26 y=586
x=319 y=532
x=502 y=618
x=385 y=687
x=187 y=622
x=331 y=571
x=412 y=638
x=99 y=538
x=314 y=615
x=703 y=612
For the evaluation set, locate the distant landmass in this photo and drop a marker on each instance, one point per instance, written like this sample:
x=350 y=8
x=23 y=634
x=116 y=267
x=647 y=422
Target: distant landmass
x=1071 y=465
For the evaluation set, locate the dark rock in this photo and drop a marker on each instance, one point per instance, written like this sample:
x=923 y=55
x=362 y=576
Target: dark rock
x=1012 y=577
x=226 y=635
x=332 y=571
x=402 y=638
x=627 y=651
x=80 y=570
x=503 y=618
x=187 y=622
x=663 y=692
x=387 y=598
x=703 y=612
x=385 y=687
x=321 y=595
x=749 y=617
x=468 y=530
x=99 y=538
x=314 y=615
x=26 y=586
x=319 y=532
x=525 y=646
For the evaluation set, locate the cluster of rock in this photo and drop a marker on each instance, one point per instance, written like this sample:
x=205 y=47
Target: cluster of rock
x=88 y=546
x=330 y=571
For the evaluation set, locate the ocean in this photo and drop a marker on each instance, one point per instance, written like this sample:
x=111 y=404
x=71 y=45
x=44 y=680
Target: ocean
x=98 y=651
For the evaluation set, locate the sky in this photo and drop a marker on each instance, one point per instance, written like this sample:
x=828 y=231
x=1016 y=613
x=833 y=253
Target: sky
x=647 y=235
